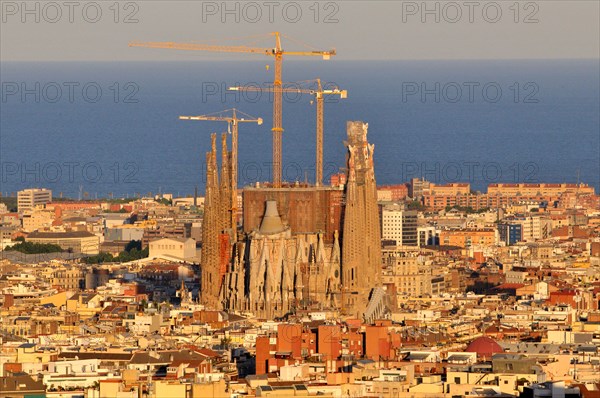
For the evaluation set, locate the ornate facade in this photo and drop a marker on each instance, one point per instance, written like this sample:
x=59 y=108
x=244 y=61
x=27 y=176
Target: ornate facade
x=273 y=270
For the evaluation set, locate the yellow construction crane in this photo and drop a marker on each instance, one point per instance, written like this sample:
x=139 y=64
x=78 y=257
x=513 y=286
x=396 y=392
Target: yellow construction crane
x=232 y=127
x=319 y=94
x=277 y=52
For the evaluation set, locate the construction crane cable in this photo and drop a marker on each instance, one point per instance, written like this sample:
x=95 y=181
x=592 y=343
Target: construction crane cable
x=297 y=41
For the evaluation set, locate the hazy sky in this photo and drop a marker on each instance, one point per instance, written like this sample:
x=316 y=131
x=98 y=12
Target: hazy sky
x=83 y=30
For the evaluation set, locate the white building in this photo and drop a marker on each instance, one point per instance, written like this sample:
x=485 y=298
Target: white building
x=391 y=223
x=399 y=224
x=30 y=198
x=145 y=324
x=178 y=248
x=427 y=235
x=530 y=227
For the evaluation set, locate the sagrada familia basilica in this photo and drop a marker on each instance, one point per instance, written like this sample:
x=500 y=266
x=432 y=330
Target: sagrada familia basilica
x=299 y=247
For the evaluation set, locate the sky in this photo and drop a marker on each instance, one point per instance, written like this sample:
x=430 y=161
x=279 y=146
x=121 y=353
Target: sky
x=365 y=30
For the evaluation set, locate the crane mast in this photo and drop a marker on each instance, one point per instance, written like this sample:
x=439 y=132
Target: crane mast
x=277 y=118
x=319 y=148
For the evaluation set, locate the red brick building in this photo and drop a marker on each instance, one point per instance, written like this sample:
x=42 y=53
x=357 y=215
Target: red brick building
x=306 y=209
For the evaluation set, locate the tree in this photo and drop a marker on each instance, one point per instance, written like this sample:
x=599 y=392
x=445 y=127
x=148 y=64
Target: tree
x=164 y=201
x=416 y=205
x=35 y=248
x=133 y=244
x=99 y=258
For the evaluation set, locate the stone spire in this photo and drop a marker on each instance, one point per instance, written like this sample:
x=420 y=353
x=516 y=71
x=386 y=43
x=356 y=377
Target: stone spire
x=211 y=227
x=361 y=250
x=225 y=187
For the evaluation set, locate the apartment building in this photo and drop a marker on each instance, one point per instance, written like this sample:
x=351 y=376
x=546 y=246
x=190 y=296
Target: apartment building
x=525 y=189
x=30 y=198
x=399 y=225
x=468 y=237
x=406 y=271
x=37 y=219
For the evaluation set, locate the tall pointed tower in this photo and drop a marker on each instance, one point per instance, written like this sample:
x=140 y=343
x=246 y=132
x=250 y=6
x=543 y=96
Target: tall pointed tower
x=361 y=243
x=211 y=228
x=225 y=204
x=227 y=230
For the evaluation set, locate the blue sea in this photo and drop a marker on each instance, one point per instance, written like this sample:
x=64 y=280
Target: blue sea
x=98 y=129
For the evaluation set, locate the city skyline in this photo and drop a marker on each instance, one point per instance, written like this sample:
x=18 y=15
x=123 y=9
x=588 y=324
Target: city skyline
x=407 y=223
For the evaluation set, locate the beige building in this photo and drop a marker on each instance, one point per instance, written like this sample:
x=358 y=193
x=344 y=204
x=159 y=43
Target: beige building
x=404 y=269
x=468 y=237
x=30 y=198
x=68 y=278
x=75 y=241
x=455 y=188
x=525 y=189
x=181 y=248
x=37 y=219
x=531 y=228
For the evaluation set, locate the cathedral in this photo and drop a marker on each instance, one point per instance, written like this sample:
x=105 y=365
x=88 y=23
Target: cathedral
x=275 y=272
x=312 y=248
